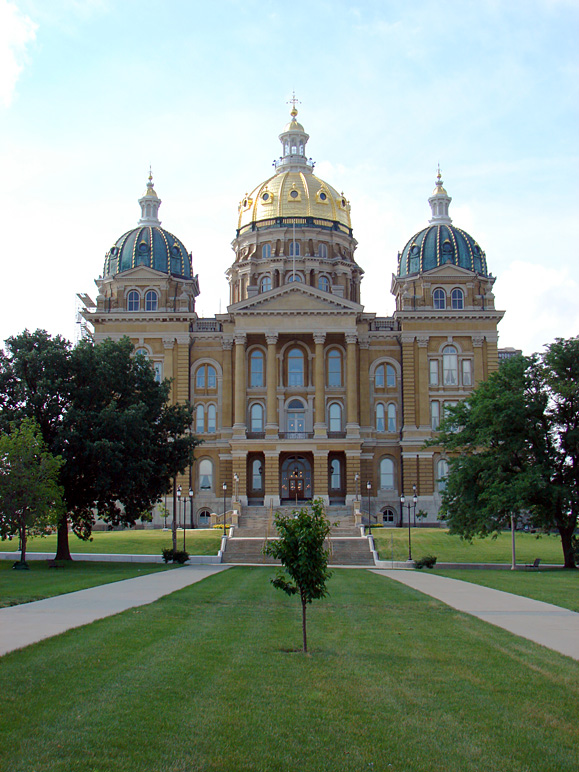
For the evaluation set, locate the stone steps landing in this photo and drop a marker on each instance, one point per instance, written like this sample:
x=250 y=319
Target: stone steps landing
x=344 y=552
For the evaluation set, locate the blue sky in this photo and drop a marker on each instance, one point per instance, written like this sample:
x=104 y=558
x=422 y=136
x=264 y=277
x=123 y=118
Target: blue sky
x=93 y=91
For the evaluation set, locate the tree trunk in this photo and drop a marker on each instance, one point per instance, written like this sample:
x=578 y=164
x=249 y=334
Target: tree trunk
x=567 y=544
x=23 y=544
x=305 y=637
x=62 y=548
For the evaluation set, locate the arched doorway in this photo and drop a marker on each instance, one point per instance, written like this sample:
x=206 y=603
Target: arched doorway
x=296 y=479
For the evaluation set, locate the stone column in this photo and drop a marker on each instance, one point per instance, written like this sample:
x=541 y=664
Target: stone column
x=477 y=343
x=320 y=427
x=272 y=423
x=168 y=370
x=423 y=380
x=240 y=385
x=227 y=385
x=352 y=425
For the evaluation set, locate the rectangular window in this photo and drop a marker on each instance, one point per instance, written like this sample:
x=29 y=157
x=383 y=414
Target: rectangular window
x=466 y=373
x=434 y=372
x=435 y=415
x=158 y=367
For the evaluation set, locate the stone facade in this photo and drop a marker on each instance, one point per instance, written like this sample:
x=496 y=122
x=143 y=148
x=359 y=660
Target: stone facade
x=299 y=392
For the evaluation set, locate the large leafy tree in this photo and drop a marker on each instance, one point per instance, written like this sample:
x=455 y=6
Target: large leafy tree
x=30 y=496
x=100 y=408
x=514 y=446
x=300 y=548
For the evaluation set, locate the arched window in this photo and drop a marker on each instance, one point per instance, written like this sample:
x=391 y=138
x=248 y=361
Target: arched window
x=335 y=417
x=256 y=368
x=442 y=474
x=391 y=417
x=265 y=285
x=151 y=301
x=379 y=377
x=266 y=251
x=295 y=367
x=439 y=298
x=390 y=376
x=322 y=250
x=200 y=419
x=457 y=299
x=143 y=352
x=205 y=475
x=449 y=366
x=205 y=378
x=294 y=277
x=334 y=368
x=388 y=516
x=466 y=373
x=380 y=418
x=386 y=473
x=324 y=284
x=133 y=301
x=211 y=418
x=256 y=418
x=294 y=248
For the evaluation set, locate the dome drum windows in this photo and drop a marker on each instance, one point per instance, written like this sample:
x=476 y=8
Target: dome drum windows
x=266 y=251
x=133 y=301
x=265 y=284
x=324 y=284
x=439 y=299
x=294 y=248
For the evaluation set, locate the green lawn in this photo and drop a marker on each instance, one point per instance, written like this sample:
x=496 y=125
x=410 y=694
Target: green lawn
x=128 y=542
x=209 y=679
x=44 y=582
x=551 y=586
x=451 y=549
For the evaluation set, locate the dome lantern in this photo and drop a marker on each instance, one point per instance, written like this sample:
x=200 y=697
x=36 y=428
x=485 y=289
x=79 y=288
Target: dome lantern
x=293 y=142
x=150 y=204
x=439 y=202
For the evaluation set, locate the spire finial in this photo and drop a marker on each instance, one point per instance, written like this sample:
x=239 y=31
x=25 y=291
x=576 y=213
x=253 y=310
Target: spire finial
x=293 y=101
x=150 y=174
x=439 y=201
x=438 y=176
x=150 y=204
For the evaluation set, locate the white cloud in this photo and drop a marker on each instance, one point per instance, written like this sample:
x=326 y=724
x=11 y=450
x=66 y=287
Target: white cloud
x=17 y=31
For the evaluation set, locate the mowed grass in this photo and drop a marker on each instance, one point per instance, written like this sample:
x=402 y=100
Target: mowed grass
x=551 y=586
x=210 y=678
x=127 y=542
x=43 y=582
x=451 y=549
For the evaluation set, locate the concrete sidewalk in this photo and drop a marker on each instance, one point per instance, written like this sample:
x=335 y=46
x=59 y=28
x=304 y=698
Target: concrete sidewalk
x=551 y=626
x=31 y=622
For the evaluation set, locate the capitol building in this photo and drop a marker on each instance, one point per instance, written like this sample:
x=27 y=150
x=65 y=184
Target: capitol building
x=298 y=391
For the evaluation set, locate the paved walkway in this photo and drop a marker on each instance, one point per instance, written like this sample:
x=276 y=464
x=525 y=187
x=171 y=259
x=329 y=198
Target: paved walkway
x=551 y=626
x=31 y=622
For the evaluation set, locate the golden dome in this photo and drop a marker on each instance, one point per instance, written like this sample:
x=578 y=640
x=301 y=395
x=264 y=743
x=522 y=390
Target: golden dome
x=294 y=194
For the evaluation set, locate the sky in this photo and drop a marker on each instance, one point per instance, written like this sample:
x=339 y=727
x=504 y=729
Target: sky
x=93 y=92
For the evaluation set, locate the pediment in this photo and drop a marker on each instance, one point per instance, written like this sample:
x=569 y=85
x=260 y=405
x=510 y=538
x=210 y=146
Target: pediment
x=297 y=298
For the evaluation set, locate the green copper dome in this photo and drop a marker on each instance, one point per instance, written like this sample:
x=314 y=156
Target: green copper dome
x=439 y=245
x=152 y=246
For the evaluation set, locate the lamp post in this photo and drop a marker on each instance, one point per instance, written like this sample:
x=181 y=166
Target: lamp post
x=236 y=481
x=224 y=503
x=409 y=506
x=191 y=502
x=369 y=488
x=179 y=511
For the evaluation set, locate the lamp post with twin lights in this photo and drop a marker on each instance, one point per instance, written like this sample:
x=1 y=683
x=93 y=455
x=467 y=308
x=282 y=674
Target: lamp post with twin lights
x=224 y=504
x=409 y=507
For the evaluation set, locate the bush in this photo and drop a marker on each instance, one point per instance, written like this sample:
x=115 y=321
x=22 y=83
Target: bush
x=175 y=556
x=428 y=561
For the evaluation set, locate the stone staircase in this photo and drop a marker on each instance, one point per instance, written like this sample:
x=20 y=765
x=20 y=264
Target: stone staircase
x=347 y=547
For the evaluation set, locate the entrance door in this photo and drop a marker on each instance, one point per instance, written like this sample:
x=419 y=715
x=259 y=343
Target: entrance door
x=296 y=479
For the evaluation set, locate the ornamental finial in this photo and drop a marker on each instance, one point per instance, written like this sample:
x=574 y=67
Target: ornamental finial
x=293 y=101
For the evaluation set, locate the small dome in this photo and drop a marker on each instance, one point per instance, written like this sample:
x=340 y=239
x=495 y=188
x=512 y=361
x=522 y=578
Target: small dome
x=151 y=246
x=438 y=245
